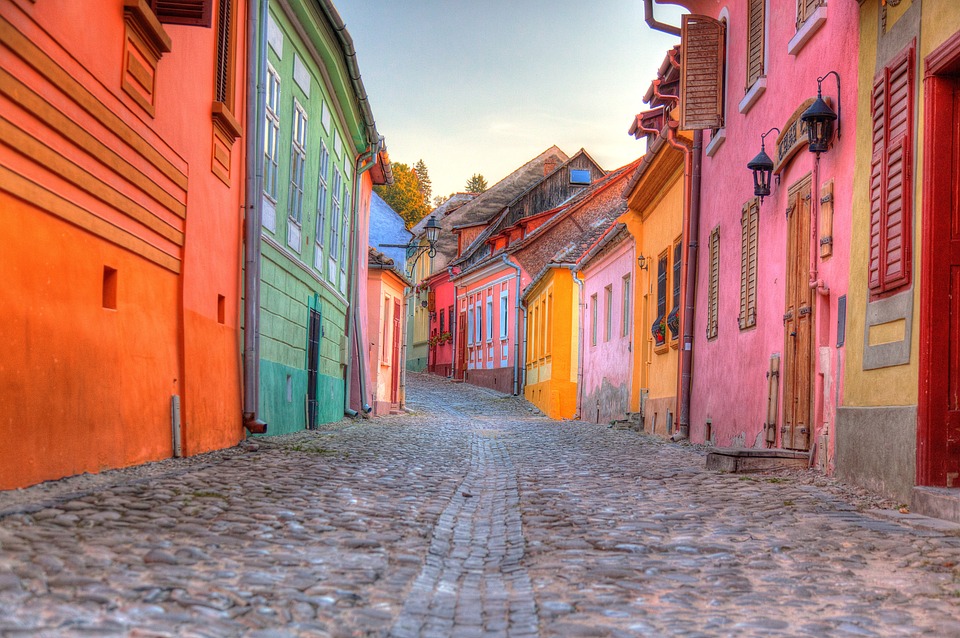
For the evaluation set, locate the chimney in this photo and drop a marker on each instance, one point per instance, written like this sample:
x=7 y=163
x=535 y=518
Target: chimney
x=549 y=165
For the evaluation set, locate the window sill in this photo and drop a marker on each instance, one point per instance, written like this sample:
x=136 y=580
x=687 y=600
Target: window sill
x=716 y=141
x=661 y=349
x=758 y=89
x=675 y=344
x=807 y=29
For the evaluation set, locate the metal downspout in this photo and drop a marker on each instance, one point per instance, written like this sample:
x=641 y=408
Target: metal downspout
x=690 y=287
x=516 y=341
x=573 y=271
x=656 y=25
x=256 y=59
x=352 y=317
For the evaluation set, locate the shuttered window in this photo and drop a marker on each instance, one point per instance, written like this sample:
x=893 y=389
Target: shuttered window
x=756 y=18
x=891 y=179
x=196 y=13
x=805 y=9
x=225 y=54
x=713 y=284
x=702 y=52
x=749 y=222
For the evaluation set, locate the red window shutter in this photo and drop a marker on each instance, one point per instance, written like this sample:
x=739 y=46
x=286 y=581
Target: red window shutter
x=197 y=13
x=702 y=54
x=891 y=179
x=876 y=181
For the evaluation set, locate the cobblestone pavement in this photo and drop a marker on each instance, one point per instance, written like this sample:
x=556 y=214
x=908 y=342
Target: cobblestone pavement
x=470 y=517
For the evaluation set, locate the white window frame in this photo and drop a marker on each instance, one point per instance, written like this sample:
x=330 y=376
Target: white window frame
x=321 y=234
x=593 y=319
x=344 y=235
x=504 y=312
x=608 y=312
x=298 y=169
x=490 y=317
x=271 y=138
x=334 y=226
x=626 y=298
x=478 y=336
x=470 y=325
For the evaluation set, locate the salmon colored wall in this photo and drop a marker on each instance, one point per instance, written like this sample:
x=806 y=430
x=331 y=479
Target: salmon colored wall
x=136 y=191
x=383 y=289
x=84 y=388
x=445 y=291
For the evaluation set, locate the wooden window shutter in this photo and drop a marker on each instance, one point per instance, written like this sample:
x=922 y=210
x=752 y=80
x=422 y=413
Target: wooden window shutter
x=196 y=13
x=755 y=40
x=805 y=9
x=713 y=287
x=891 y=179
x=749 y=223
x=702 y=52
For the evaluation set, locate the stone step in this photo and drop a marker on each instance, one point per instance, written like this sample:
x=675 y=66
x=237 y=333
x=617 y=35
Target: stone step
x=744 y=460
x=937 y=502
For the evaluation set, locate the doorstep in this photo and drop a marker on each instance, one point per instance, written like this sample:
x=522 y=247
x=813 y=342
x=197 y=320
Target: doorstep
x=744 y=460
x=937 y=502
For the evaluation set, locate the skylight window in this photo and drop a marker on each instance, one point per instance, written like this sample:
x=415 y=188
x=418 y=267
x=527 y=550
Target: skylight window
x=579 y=176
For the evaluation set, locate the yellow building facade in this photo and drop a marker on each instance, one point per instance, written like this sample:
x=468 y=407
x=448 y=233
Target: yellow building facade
x=655 y=219
x=887 y=439
x=553 y=319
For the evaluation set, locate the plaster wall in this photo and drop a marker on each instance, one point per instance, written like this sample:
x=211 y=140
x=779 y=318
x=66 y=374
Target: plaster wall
x=551 y=380
x=383 y=291
x=729 y=377
x=496 y=349
x=608 y=363
x=94 y=179
x=441 y=355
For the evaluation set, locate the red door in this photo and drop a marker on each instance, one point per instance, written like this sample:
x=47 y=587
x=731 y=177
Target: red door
x=938 y=432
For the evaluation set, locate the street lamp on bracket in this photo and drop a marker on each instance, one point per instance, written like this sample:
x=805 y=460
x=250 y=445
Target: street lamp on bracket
x=415 y=250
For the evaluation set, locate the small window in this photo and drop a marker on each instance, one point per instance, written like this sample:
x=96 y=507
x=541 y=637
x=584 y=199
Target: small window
x=298 y=163
x=443 y=322
x=608 y=313
x=593 y=320
x=805 y=9
x=503 y=314
x=489 y=318
x=272 y=136
x=625 y=318
x=749 y=223
x=579 y=176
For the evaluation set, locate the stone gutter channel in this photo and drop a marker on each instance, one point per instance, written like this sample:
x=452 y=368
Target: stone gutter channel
x=473 y=578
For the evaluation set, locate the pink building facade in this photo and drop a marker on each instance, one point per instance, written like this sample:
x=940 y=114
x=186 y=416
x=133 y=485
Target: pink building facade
x=607 y=320
x=772 y=280
x=487 y=302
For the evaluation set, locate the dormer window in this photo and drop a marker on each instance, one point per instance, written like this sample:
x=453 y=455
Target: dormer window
x=579 y=176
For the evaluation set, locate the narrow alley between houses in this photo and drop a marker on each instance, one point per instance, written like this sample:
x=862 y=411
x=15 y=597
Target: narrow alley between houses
x=472 y=515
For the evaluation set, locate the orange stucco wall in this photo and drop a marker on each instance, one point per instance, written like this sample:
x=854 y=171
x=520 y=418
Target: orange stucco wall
x=92 y=178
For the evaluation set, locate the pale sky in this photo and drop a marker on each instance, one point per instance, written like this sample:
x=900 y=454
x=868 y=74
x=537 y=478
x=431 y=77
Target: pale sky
x=483 y=86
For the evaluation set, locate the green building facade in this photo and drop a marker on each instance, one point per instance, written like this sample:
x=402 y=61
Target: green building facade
x=313 y=130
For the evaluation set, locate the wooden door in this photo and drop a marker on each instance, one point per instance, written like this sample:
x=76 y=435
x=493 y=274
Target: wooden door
x=938 y=440
x=395 y=359
x=461 y=362
x=313 y=368
x=797 y=324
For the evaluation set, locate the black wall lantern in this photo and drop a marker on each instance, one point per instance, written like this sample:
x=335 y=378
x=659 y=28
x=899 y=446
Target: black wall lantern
x=642 y=262
x=819 y=118
x=416 y=249
x=762 y=167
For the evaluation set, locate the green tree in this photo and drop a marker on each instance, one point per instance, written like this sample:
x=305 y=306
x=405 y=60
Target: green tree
x=404 y=195
x=424 y=176
x=476 y=184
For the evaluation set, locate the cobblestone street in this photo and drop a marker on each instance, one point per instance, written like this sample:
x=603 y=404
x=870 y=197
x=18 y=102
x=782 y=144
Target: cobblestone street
x=472 y=516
